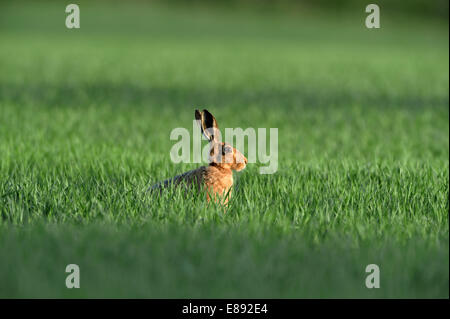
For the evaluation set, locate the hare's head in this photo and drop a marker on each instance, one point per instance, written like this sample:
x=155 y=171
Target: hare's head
x=221 y=154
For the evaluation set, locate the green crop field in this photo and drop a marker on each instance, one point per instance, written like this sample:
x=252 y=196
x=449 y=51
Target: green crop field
x=363 y=152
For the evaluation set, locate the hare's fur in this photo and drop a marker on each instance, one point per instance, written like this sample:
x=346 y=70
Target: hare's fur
x=216 y=179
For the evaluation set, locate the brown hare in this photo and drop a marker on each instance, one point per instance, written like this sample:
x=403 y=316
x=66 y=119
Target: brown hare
x=216 y=179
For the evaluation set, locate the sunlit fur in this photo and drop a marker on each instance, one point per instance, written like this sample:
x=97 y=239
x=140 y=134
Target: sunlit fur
x=216 y=179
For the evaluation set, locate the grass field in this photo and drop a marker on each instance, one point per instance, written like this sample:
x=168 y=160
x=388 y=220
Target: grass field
x=85 y=118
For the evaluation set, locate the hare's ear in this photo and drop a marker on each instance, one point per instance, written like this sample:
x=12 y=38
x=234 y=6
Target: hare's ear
x=198 y=117
x=208 y=124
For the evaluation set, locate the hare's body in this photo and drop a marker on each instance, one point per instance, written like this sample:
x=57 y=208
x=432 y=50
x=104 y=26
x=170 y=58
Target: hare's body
x=216 y=179
x=213 y=179
x=192 y=178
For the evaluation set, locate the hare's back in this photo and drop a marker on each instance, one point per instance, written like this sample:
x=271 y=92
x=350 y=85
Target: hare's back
x=192 y=178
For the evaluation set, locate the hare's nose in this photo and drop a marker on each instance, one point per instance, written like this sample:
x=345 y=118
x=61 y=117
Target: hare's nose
x=245 y=160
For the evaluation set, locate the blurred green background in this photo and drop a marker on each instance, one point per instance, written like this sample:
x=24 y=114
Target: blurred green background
x=85 y=118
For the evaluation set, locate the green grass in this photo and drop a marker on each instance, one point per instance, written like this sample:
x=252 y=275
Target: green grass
x=85 y=118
